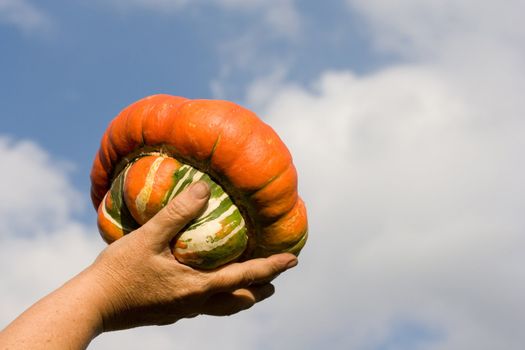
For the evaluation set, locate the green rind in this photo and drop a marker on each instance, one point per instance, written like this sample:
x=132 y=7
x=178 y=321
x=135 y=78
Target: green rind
x=119 y=211
x=233 y=248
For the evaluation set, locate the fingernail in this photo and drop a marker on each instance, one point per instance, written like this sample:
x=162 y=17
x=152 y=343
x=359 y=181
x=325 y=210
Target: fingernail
x=292 y=263
x=200 y=190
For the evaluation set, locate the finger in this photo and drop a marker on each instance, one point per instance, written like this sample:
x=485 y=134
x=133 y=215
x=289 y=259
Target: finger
x=176 y=214
x=224 y=304
x=242 y=275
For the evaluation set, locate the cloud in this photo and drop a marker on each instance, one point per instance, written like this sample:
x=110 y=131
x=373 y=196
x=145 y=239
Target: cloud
x=41 y=244
x=36 y=194
x=278 y=17
x=34 y=266
x=244 y=41
x=414 y=203
x=24 y=16
x=413 y=179
x=161 y=6
x=426 y=28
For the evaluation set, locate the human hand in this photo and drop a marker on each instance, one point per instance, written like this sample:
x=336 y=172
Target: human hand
x=142 y=283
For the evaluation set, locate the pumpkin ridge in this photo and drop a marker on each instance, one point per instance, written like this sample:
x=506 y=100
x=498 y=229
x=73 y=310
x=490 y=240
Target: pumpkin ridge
x=213 y=150
x=272 y=179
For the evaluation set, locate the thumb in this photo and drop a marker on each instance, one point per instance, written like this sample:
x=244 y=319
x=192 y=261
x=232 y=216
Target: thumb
x=176 y=214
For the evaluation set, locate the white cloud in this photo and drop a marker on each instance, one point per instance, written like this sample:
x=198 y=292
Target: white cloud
x=245 y=50
x=41 y=245
x=279 y=17
x=25 y=16
x=415 y=205
x=33 y=266
x=36 y=194
x=162 y=6
x=413 y=180
x=426 y=28
x=248 y=52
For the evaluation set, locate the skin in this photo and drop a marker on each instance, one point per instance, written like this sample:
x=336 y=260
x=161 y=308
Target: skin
x=136 y=281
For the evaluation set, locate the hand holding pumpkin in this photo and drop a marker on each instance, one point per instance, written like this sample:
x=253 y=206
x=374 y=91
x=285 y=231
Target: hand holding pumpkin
x=177 y=183
x=150 y=286
x=151 y=152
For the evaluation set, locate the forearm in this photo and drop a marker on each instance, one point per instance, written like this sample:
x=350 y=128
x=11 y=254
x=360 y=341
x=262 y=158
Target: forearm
x=68 y=318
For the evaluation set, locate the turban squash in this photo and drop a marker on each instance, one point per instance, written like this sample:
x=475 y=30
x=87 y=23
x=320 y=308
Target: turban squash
x=161 y=144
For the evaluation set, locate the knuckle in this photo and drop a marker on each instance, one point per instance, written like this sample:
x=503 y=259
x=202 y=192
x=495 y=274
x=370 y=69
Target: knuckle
x=248 y=278
x=179 y=210
x=201 y=284
x=220 y=281
x=141 y=240
x=214 y=283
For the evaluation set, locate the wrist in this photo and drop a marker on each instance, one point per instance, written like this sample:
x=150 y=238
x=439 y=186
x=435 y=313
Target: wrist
x=103 y=295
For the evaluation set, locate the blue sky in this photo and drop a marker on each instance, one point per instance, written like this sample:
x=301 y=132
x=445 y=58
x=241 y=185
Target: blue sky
x=405 y=120
x=63 y=81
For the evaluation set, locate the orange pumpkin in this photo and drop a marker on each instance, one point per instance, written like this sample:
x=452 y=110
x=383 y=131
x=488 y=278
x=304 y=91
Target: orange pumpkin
x=161 y=144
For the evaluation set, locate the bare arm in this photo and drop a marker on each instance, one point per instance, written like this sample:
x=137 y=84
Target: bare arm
x=136 y=281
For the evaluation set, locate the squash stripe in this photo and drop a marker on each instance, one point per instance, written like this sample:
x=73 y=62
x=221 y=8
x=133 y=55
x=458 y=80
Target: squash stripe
x=117 y=214
x=178 y=175
x=142 y=199
x=224 y=206
x=186 y=180
x=107 y=215
x=200 y=241
x=213 y=204
x=223 y=214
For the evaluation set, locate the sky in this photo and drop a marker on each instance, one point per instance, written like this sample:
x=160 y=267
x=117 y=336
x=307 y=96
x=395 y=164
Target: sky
x=405 y=120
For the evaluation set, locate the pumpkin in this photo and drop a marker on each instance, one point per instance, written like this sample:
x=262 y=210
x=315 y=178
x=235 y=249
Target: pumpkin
x=159 y=145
